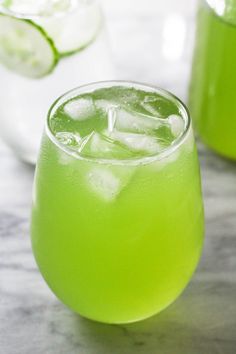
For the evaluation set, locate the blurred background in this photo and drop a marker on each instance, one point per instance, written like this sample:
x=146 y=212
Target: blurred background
x=152 y=41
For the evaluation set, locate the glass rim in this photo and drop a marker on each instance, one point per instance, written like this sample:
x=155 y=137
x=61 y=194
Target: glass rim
x=74 y=4
x=114 y=161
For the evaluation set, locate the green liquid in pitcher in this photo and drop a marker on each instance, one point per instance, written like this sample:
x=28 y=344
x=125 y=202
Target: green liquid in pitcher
x=212 y=91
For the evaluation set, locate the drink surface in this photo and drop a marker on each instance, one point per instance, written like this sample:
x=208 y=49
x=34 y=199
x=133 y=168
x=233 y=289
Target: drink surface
x=116 y=242
x=212 y=90
x=118 y=122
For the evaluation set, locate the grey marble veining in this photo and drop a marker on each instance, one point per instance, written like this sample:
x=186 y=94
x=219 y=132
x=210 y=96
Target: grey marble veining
x=201 y=321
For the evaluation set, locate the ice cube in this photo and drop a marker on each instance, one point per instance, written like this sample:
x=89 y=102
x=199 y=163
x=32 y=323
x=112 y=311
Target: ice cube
x=107 y=183
x=105 y=105
x=157 y=106
x=137 y=142
x=69 y=139
x=101 y=146
x=64 y=158
x=150 y=109
x=153 y=105
x=135 y=122
x=150 y=98
x=80 y=109
x=84 y=141
x=176 y=124
x=102 y=105
x=94 y=144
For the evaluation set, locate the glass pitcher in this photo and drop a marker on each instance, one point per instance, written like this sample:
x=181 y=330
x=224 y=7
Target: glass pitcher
x=212 y=91
x=45 y=48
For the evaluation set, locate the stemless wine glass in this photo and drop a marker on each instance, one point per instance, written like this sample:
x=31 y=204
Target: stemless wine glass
x=46 y=47
x=117 y=218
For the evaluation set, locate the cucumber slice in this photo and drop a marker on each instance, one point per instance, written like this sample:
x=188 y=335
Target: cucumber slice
x=25 y=47
x=75 y=30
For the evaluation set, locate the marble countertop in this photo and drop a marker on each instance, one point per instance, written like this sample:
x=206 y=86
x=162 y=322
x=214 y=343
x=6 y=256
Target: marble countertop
x=203 y=319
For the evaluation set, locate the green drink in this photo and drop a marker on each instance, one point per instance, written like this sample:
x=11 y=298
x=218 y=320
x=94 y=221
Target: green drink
x=212 y=91
x=117 y=220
